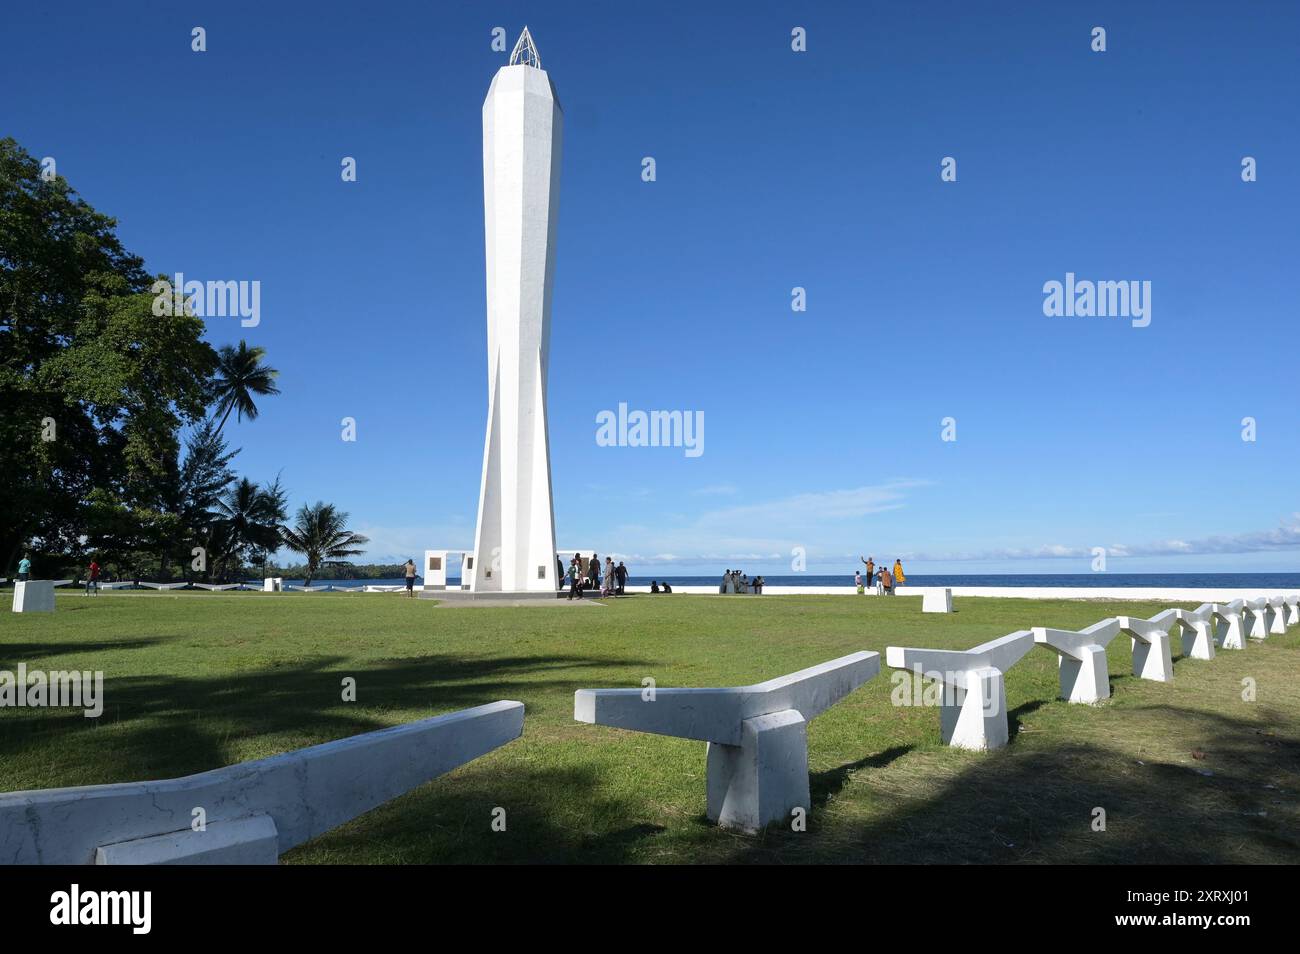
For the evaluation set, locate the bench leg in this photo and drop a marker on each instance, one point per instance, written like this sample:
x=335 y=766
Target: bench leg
x=1085 y=680
x=763 y=779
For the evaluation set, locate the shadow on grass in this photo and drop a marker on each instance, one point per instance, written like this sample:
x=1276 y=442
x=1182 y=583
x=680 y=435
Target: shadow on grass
x=1040 y=806
x=449 y=821
x=823 y=786
x=13 y=653
x=166 y=726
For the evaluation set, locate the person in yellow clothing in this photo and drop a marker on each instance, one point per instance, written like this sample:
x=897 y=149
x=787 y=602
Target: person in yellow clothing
x=899 y=578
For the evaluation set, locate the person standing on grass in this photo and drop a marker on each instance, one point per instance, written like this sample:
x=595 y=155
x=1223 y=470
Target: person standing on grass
x=886 y=582
x=610 y=578
x=24 y=569
x=410 y=578
x=92 y=578
x=620 y=573
x=857 y=581
x=575 y=577
x=899 y=578
x=593 y=571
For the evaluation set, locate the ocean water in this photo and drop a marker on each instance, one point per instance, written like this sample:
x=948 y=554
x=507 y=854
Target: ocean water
x=1198 y=580
x=1281 y=581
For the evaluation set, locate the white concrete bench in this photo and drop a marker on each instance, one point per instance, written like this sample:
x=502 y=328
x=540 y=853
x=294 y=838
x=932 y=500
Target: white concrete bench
x=254 y=811
x=1082 y=671
x=936 y=601
x=1196 y=627
x=1152 y=654
x=34 y=596
x=757 y=757
x=973 y=710
x=1229 y=624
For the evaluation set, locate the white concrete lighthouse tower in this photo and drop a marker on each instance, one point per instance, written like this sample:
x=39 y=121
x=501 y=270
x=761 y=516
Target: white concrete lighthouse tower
x=514 y=539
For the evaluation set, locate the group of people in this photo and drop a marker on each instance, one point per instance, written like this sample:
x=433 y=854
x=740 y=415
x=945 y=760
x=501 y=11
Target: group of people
x=884 y=581
x=92 y=574
x=733 y=581
x=582 y=575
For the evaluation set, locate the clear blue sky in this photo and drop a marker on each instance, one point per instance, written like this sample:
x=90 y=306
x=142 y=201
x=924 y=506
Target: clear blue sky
x=775 y=169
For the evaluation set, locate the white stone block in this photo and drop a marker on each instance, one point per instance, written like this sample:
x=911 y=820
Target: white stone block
x=1293 y=609
x=246 y=841
x=1082 y=671
x=936 y=601
x=1152 y=654
x=34 y=596
x=305 y=792
x=973 y=714
x=756 y=734
x=273 y=584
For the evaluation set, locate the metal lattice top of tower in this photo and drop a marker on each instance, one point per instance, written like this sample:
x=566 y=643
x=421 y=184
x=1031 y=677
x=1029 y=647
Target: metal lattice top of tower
x=525 y=52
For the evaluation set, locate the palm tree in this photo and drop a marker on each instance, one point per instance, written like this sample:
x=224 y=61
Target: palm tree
x=321 y=537
x=251 y=517
x=241 y=375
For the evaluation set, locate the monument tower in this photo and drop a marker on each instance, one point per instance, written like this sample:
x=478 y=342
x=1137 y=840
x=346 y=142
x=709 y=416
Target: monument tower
x=514 y=538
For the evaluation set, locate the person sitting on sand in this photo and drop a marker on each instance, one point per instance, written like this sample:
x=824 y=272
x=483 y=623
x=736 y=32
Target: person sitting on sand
x=654 y=587
x=666 y=588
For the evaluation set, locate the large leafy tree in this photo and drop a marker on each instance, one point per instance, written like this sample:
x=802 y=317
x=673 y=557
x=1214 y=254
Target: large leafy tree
x=321 y=535
x=94 y=387
x=242 y=375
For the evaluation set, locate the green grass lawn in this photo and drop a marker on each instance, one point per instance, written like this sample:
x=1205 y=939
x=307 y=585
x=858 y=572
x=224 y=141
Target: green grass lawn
x=1187 y=772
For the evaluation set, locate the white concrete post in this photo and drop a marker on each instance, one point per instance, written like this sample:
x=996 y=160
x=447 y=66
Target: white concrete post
x=934 y=600
x=1229 y=624
x=1277 y=616
x=1152 y=656
x=973 y=710
x=1083 y=674
x=1196 y=627
x=1257 y=616
x=757 y=756
x=34 y=596
x=1293 y=609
